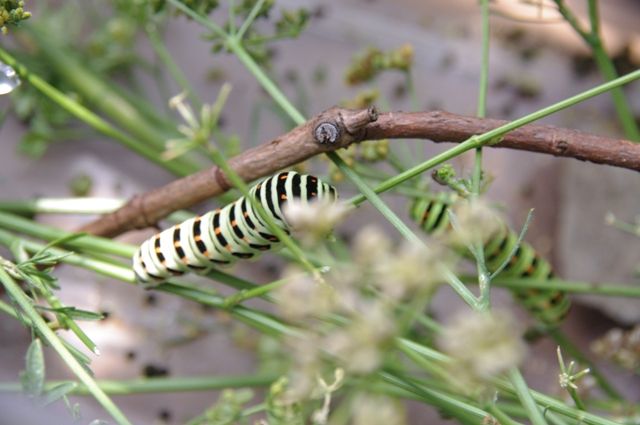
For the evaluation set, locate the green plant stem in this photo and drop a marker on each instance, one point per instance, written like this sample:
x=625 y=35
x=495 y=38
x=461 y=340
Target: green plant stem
x=96 y=244
x=7 y=309
x=159 y=385
x=249 y=21
x=501 y=416
x=594 y=18
x=438 y=398
x=261 y=291
x=604 y=62
x=68 y=323
x=93 y=120
x=493 y=136
x=374 y=199
x=484 y=279
x=525 y=397
x=559 y=406
x=269 y=86
x=600 y=288
x=176 y=72
x=62 y=205
x=52 y=339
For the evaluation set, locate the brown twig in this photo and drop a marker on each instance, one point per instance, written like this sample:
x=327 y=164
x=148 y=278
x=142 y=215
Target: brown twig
x=338 y=128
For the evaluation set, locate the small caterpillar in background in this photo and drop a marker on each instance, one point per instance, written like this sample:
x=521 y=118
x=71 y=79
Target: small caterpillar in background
x=547 y=305
x=222 y=236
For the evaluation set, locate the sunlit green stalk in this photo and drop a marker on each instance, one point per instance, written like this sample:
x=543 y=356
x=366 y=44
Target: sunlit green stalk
x=435 y=397
x=604 y=62
x=375 y=200
x=599 y=288
x=159 y=385
x=7 y=309
x=484 y=279
x=174 y=69
x=522 y=390
x=69 y=323
x=247 y=22
x=62 y=205
x=52 y=339
x=501 y=416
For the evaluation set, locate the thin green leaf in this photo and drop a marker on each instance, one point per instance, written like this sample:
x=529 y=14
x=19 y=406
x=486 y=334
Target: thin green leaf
x=57 y=392
x=32 y=378
x=525 y=227
x=74 y=313
x=82 y=358
x=60 y=241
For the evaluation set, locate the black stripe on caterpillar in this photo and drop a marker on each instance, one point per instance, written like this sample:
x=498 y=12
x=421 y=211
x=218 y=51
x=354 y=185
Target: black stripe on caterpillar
x=223 y=236
x=549 y=306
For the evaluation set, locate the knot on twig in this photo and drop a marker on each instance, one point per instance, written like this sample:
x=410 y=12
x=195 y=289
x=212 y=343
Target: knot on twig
x=338 y=126
x=326 y=132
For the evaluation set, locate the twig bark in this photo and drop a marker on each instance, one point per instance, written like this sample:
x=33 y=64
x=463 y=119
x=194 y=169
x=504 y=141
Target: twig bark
x=338 y=128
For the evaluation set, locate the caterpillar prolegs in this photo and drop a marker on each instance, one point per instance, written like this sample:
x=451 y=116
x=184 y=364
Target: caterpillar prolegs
x=549 y=306
x=222 y=236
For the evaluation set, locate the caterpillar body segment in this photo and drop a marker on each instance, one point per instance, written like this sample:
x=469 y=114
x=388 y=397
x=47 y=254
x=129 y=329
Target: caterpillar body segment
x=547 y=305
x=225 y=235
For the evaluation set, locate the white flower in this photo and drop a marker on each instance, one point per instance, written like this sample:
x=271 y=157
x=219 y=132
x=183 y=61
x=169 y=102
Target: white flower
x=377 y=410
x=361 y=345
x=474 y=222
x=302 y=296
x=413 y=268
x=314 y=220
x=483 y=344
x=370 y=246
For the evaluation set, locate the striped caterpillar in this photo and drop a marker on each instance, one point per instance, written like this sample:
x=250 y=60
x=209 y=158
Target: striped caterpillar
x=222 y=236
x=549 y=306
